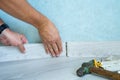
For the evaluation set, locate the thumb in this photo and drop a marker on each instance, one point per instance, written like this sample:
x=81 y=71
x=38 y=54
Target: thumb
x=21 y=48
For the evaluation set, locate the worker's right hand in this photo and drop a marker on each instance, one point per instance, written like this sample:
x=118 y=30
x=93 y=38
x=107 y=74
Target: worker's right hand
x=51 y=38
x=11 y=38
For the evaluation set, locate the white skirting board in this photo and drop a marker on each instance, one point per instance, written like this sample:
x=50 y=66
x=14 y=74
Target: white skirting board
x=33 y=51
x=70 y=49
x=93 y=49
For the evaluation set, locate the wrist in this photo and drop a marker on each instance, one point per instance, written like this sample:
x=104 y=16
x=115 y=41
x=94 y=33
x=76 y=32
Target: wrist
x=39 y=21
x=3 y=27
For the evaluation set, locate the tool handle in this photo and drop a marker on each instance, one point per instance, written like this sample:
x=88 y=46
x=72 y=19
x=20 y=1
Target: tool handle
x=105 y=73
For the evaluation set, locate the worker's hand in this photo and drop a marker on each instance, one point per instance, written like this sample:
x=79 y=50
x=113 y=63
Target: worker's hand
x=51 y=39
x=11 y=38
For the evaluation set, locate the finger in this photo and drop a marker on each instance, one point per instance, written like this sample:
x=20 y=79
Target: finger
x=46 y=48
x=21 y=48
x=5 y=42
x=59 y=45
x=55 y=48
x=24 y=39
x=2 y=38
x=51 y=50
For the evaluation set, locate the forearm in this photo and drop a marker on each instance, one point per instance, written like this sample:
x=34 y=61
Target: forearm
x=22 y=10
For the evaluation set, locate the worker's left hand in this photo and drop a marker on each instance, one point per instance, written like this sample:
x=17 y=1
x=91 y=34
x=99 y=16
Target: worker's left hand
x=11 y=38
x=51 y=38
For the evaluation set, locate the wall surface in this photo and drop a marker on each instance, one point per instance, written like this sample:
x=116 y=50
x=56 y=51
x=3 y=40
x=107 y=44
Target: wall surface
x=77 y=20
